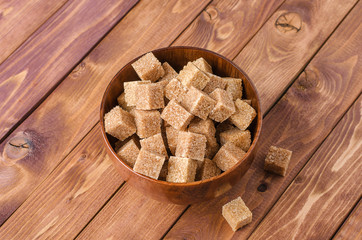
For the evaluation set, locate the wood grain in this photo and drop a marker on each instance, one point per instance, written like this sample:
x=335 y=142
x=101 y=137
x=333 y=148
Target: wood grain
x=51 y=52
x=226 y=26
x=319 y=199
x=286 y=43
x=71 y=111
x=19 y=19
x=300 y=121
x=352 y=226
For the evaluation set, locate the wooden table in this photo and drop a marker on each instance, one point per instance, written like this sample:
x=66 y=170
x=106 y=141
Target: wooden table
x=57 y=57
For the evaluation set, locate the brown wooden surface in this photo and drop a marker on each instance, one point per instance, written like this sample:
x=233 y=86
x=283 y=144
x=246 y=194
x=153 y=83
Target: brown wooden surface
x=60 y=181
x=352 y=227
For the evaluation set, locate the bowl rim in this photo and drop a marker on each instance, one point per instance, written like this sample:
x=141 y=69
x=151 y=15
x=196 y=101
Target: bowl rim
x=188 y=184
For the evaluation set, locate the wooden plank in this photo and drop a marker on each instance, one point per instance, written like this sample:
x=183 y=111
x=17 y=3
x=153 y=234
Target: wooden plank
x=327 y=188
x=226 y=26
x=300 y=121
x=287 y=42
x=51 y=52
x=19 y=19
x=352 y=227
x=71 y=111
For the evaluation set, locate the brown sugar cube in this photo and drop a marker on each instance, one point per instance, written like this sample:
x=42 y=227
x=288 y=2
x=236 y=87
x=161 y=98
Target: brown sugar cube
x=149 y=163
x=240 y=138
x=175 y=115
x=224 y=107
x=130 y=92
x=208 y=170
x=277 y=160
x=170 y=73
x=244 y=114
x=190 y=75
x=191 y=145
x=228 y=155
x=234 y=86
x=149 y=96
x=215 y=82
x=148 y=67
x=222 y=127
x=211 y=148
x=201 y=64
x=164 y=170
x=172 y=135
x=248 y=101
x=181 y=170
x=198 y=103
x=148 y=122
x=122 y=102
x=205 y=127
x=237 y=214
x=119 y=123
x=129 y=152
x=154 y=144
x=175 y=90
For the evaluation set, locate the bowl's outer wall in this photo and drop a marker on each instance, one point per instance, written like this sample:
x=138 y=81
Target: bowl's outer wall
x=194 y=192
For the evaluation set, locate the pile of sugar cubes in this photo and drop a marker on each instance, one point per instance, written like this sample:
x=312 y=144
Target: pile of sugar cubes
x=170 y=126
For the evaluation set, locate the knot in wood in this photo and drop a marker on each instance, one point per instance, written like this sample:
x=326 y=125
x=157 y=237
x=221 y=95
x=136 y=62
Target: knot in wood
x=212 y=12
x=289 y=23
x=17 y=148
x=262 y=187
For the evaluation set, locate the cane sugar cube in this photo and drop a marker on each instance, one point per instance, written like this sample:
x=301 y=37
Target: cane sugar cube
x=148 y=122
x=202 y=65
x=205 y=127
x=198 y=103
x=154 y=144
x=148 y=67
x=130 y=92
x=248 y=101
x=211 y=148
x=170 y=73
x=129 y=152
x=175 y=90
x=181 y=170
x=240 y=138
x=228 y=155
x=123 y=104
x=163 y=173
x=149 y=96
x=119 y=123
x=215 y=82
x=172 y=135
x=190 y=75
x=191 y=145
x=163 y=83
x=208 y=170
x=237 y=214
x=234 y=86
x=224 y=107
x=244 y=114
x=149 y=163
x=277 y=160
x=175 y=115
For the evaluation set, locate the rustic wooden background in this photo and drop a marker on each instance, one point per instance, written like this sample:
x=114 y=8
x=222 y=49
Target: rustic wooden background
x=57 y=57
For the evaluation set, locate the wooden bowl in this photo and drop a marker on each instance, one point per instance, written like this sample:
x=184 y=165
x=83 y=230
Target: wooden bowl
x=183 y=193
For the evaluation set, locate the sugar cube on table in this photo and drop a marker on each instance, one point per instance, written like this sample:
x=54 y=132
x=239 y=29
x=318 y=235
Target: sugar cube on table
x=277 y=160
x=149 y=163
x=129 y=152
x=237 y=214
x=172 y=135
x=208 y=170
x=149 y=96
x=214 y=83
x=119 y=123
x=154 y=144
x=148 y=122
x=175 y=115
x=190 y=75
x=224 y=107
x=191 y=145
x=211 y=147
x=201 y=64
x=228 y=156
x=234 y=86
x=130 y=92
x=148 y=67
x=198 y=103
x=175 y=90
x=205 y=127
x=181 y=170
x=244 y=114
x=240 y=138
